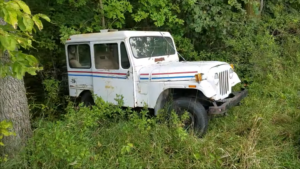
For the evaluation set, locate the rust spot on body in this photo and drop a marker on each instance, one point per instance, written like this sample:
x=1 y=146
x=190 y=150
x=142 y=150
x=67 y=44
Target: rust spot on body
x=159 y=59
x=109 y=87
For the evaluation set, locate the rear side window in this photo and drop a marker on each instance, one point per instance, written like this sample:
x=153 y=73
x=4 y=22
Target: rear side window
x=79 y=56
x=106 y=56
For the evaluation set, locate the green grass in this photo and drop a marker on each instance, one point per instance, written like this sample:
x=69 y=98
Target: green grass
x=261 y=133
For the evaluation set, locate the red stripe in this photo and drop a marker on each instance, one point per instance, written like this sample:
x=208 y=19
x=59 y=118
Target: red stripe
x=79 y=72
x=108 y=73
x=145 y=74
x=173 y=73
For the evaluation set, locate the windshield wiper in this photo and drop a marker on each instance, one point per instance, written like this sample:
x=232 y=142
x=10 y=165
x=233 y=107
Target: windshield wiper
x=152 y=53
x=171 y=46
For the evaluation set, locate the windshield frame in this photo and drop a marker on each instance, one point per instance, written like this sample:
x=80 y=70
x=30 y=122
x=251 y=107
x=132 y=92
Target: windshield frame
x=164 y=37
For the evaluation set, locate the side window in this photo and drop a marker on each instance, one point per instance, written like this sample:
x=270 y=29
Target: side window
x=106 y=56
x=79 y=56
x=124 y=57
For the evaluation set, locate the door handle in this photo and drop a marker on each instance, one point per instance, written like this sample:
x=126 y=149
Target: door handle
x=127 y=75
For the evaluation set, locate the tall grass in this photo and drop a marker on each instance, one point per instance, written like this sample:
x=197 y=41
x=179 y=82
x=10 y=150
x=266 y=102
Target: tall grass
x=260 y=133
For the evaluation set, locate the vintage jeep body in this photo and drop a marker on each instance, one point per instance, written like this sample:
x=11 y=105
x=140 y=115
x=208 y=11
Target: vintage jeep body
x=144 y=67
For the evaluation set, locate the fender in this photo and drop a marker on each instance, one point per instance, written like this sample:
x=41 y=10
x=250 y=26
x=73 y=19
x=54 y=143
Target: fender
x=204 y=87
x=207 y=89
x=162 y=99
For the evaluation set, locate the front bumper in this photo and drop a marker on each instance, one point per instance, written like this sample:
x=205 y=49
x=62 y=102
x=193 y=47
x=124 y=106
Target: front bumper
x=225 y=104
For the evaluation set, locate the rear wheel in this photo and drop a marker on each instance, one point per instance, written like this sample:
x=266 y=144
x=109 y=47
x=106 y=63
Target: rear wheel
x=198 y=118
x=87 y=99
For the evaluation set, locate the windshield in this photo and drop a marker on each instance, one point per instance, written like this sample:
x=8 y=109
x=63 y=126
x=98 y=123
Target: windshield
x=148 y=46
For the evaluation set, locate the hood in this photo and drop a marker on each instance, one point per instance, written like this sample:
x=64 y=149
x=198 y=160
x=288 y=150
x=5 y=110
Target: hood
x=170 y=71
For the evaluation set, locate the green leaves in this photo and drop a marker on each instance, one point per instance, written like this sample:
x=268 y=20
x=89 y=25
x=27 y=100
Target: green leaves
x=66 y=32
x=8 y=42
x=162 y=12
x=28 y=23
x=10 y=16
x=15 y=35
x=4 y=130
x=24 y=7
x=44 y=17
x=13 y=5
x=140 y=15
x=38 y=22
x=115 y=10
x=23 y=63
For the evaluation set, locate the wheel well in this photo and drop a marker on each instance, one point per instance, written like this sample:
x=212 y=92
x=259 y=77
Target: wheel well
x=85 y=91
x=187 y=93
x=82 y=93
x=169 y=94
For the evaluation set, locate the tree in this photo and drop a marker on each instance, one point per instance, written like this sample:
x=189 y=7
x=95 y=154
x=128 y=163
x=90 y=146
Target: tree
x=254 y=8
x=16 y=26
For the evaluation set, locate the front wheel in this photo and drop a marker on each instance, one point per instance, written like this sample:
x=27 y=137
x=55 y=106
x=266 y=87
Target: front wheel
x=198 y=118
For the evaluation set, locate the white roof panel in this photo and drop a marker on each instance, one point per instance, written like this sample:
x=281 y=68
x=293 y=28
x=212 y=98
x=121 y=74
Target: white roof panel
x=115 y=35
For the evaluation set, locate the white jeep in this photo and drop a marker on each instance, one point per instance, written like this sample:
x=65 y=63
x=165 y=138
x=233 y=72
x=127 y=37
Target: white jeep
x=144 y=67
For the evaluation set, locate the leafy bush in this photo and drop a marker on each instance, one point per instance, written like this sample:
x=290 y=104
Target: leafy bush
x=50 y=106
x=5 y=131
x=105 y=136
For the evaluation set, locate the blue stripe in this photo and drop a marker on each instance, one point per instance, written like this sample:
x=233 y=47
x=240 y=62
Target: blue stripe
x=98 y=76
x=174 y=77
x=144 y=78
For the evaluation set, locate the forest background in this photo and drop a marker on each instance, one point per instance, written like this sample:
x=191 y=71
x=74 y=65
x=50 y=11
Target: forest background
x=261 y=38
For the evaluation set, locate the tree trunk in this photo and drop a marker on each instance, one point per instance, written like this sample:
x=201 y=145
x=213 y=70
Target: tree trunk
x=102 y=14
x=254 y=8
x=14 y=108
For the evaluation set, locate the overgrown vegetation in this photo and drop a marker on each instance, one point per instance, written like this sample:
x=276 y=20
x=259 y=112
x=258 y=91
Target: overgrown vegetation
x=5 y=130
x=262 y=132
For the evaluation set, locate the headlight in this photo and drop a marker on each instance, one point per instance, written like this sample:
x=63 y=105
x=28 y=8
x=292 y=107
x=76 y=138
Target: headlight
x=216 y=78
x=230 y=73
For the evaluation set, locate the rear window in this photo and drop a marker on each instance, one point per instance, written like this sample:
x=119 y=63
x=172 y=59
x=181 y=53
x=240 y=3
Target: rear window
x=79 y=56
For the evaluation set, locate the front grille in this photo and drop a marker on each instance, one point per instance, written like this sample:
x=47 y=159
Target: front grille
x=223 y=82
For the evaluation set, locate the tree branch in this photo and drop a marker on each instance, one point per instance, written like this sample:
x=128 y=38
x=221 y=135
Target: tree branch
x=102 y=13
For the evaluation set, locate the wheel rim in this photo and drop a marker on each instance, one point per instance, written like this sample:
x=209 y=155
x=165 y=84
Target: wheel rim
x=189 y=122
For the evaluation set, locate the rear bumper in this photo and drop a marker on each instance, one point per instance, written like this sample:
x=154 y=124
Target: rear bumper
x=227 y=103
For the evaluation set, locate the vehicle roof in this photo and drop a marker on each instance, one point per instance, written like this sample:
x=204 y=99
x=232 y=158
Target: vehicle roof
x=115 y=35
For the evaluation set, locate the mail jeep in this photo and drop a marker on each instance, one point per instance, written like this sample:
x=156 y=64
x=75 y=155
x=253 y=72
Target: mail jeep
x=144 y=67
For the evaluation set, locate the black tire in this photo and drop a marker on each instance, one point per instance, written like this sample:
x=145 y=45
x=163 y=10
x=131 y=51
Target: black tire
x=198 y=120
x=87 y=99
